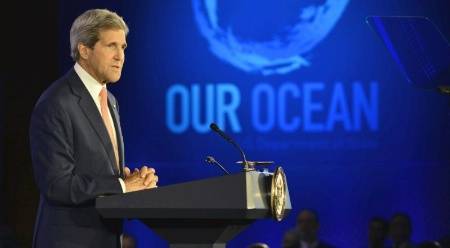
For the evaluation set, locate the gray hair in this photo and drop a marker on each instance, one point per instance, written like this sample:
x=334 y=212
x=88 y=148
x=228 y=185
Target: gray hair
x=86 y=28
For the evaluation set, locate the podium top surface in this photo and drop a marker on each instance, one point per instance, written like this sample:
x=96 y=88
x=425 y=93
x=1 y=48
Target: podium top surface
x=417 y=46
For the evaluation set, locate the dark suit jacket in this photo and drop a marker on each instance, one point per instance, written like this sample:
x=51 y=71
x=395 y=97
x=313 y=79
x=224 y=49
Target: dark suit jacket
x=73 y=162
x=324 y=245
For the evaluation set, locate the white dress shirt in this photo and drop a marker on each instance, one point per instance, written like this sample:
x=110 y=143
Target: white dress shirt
x=94 y=87
x=303 y=244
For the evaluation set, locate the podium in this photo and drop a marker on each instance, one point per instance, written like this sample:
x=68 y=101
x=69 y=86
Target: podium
x=202 y=214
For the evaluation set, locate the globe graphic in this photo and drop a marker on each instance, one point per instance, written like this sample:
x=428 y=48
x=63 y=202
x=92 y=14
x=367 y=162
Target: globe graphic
x=279 y=54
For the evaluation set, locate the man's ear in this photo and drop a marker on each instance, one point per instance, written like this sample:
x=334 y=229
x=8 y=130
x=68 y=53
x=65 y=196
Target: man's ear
x=83 y=50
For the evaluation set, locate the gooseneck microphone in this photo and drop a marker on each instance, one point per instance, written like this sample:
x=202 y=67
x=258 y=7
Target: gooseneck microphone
x=217 y=130
x=212 y=161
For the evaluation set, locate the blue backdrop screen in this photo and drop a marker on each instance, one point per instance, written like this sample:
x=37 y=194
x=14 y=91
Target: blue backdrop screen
x=307 y=84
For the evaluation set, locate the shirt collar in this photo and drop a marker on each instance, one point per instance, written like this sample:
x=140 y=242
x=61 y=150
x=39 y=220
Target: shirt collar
x=92 y=85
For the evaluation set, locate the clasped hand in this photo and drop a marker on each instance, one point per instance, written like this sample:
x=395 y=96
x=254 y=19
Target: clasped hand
x=145 y=178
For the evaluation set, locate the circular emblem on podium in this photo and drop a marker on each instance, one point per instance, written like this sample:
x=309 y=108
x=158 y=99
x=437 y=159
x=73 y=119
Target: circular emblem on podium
x=278 y=194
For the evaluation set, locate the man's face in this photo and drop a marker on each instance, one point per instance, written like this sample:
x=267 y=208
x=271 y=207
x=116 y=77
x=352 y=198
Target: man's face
x=400 y=229
x=307 y=225
x=105 y=60
x=377 y=232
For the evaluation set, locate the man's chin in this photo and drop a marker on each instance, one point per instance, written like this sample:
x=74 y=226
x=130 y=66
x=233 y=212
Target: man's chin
x=113 y=79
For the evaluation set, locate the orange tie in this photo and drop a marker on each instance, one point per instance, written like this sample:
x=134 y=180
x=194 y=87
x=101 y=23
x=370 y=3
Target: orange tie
x=107 y=120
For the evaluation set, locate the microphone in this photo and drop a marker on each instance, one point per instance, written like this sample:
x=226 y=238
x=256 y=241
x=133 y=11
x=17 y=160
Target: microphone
x=211 y=160
x=217 y=130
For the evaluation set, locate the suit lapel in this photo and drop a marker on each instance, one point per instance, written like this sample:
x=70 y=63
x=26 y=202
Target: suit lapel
x=89 y=108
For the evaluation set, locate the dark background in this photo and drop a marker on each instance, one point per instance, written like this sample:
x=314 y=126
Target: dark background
x=30 y=42
x=407 y=171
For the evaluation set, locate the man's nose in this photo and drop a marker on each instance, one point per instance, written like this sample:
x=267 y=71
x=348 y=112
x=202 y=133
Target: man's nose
x=119 y=55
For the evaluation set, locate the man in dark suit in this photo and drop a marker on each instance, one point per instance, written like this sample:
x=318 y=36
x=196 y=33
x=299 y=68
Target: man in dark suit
x=400 y=230
x=76 y=140
x=308 y=228
x=378 y=231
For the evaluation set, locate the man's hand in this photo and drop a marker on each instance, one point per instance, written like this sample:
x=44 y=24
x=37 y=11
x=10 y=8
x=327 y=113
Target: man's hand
x=145 y=178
